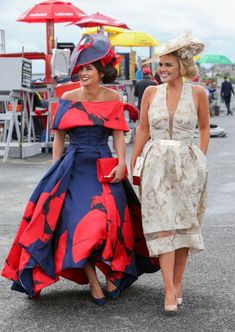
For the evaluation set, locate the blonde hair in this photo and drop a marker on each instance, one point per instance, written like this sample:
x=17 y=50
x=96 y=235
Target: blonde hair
x=188 y=68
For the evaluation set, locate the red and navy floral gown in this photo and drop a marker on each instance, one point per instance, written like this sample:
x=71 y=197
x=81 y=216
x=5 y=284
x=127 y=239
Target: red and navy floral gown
x=71 y=218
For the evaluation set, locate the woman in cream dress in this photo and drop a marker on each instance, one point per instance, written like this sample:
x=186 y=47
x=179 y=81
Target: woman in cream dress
x=174 y=176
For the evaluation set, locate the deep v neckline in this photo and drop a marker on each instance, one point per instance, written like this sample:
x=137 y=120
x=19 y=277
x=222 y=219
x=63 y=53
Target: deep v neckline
x=171 y=116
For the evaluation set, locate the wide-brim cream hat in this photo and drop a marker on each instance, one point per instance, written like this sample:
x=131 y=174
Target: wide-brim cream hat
x=184 y=44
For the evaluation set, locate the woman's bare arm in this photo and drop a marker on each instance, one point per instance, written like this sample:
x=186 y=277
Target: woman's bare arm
x=58 y=144
x=142 y=132
x=120 y=146
x=203 y=120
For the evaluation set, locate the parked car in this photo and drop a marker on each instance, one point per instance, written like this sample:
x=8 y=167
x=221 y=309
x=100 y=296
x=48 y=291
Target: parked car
x=215 y=131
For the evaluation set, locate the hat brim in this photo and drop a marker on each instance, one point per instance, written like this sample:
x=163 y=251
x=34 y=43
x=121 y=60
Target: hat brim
x=195 y=48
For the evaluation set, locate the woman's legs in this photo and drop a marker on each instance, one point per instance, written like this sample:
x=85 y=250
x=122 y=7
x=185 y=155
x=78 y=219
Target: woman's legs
x=181 y=256
x=167 y=262
x=110 y=286
x=96 y=290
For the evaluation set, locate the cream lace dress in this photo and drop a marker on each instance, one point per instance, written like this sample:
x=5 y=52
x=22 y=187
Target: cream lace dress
x=174 y=177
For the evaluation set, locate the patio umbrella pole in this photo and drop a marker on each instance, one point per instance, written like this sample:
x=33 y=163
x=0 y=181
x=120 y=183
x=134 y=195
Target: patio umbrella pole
x=50 y=36
x=50 y=46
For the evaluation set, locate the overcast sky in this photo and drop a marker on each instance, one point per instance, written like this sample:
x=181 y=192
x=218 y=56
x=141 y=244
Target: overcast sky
x=210 y=20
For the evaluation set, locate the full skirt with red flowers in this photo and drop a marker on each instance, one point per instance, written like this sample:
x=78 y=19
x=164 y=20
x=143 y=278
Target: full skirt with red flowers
x=72 y=219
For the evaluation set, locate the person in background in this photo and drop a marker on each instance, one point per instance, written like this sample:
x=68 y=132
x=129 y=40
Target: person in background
x=226 y=93
x=157 y=78
x=174 y=175
x=212 y=97
x=142 y=84
x=139 y=72
x=40 y=107
x=212 y=92
x=74 y=221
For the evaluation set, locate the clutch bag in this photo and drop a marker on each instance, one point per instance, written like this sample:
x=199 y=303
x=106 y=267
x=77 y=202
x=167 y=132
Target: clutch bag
x=136 y=176
x=104 y=168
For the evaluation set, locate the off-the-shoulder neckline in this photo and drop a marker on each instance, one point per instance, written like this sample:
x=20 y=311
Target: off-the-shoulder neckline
x=91 y=102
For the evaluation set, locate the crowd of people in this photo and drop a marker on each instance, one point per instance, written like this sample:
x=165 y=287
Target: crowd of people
x=84 y=213
x=224 y=92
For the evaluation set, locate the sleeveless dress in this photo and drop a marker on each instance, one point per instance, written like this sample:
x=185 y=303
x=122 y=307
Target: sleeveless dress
x=72 y=219
x=174 y=178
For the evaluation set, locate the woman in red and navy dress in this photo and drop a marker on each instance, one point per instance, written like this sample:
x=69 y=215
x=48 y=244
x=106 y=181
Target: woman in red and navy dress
x=73 y=223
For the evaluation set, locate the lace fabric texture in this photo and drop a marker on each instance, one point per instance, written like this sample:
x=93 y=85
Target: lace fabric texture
x=174 y=179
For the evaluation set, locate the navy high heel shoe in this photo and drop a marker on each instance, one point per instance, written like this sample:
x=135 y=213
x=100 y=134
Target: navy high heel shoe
x=99 y=301
x=114 y=294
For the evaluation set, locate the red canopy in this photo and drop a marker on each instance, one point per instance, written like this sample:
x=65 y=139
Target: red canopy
x=99 y=19
x=52 y=10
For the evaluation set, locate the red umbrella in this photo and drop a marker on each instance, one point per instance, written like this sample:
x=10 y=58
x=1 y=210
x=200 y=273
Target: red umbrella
x=50 y=12
x=55 y=10
x=100 y=20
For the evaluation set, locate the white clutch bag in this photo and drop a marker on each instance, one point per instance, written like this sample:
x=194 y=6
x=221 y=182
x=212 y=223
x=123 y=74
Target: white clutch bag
x=138 y=170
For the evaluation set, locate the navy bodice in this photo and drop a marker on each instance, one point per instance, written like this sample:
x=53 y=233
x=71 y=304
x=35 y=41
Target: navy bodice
x=89 y=135
x=90 y=141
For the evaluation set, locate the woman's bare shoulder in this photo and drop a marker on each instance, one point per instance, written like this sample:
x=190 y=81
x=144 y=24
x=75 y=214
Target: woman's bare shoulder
x=198 y=90
x=70 y=95
x=110 y=94
x=151 y=90
x=149 y=93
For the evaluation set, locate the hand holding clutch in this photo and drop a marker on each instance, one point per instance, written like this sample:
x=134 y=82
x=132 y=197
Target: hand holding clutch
x=136 y=175
x=105 y=167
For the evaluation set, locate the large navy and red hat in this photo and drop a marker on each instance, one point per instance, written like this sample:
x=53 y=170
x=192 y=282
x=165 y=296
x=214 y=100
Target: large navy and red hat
x=91 y=48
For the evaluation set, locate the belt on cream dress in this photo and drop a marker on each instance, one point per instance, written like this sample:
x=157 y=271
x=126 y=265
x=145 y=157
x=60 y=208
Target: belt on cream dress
x=174 y=143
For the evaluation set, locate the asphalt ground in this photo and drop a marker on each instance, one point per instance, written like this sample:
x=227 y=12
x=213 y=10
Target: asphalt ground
x=209 y=285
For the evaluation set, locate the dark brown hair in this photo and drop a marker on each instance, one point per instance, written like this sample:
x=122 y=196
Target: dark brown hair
x=109 y=71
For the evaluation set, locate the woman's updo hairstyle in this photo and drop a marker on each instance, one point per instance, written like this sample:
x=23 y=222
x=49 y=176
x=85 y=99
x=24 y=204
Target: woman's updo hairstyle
x=188 y=68
x=109 y=71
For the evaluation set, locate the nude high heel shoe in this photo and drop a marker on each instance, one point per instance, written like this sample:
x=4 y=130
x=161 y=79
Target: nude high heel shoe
x=179 y=296
x=179 y=301
x=171 y=308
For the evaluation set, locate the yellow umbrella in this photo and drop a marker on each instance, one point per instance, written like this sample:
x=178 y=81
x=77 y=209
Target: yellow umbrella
x=133 y=38
x=105 y=28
